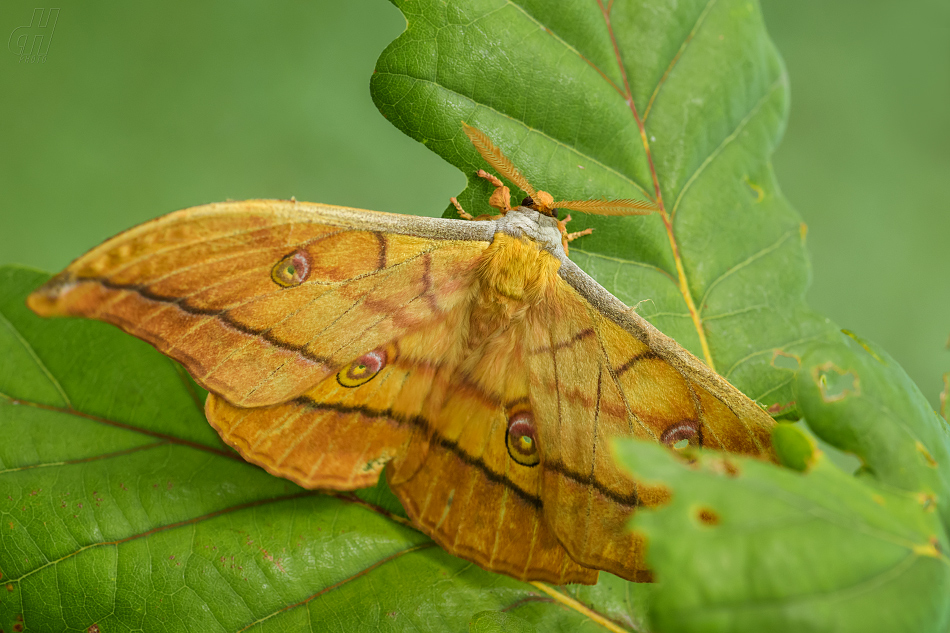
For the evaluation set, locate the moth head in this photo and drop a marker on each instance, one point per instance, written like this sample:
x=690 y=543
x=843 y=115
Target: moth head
x=542 y=201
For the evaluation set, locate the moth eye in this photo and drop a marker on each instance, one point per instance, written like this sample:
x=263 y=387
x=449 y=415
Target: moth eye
x=521 y=439
x=679 y=435
x=363 y=369
x=291 y=270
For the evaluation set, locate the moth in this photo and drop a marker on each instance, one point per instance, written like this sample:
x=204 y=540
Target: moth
x=472 y=361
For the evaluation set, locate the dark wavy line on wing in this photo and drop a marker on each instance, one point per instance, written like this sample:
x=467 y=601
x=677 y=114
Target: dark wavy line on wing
x=452 y=446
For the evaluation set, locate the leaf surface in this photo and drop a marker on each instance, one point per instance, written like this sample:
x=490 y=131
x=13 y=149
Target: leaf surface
x=856 y=397
x=748 y=546
x=680 y=103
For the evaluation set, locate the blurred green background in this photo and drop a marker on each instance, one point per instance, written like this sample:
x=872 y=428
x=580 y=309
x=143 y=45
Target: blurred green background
x=143 y=108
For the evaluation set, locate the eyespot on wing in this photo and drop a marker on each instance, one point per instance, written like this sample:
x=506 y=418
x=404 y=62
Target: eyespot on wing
x=363 y=369
x=521 y=439
x=292 y=270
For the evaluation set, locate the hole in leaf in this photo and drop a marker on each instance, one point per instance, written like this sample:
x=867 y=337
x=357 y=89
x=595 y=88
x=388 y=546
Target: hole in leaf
x=784 y=360
x=757 y=192
x=835 y=383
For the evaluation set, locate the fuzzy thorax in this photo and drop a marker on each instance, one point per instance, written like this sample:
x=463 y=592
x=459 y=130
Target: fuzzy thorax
x=516 y=273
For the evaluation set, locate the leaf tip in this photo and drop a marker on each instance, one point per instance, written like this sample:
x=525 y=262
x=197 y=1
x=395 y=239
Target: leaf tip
x=794 y=448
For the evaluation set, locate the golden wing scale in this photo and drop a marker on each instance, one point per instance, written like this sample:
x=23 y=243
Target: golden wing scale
x=473 y=361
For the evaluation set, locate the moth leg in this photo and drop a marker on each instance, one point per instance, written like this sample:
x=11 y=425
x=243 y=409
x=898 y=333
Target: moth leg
x=501 y=197
x=465 y=215
x=569 y=237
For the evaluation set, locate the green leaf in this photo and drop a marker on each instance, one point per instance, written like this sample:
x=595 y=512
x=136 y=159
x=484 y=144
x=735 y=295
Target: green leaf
x=562 y=88
x=748 y=546
x=498 y=622
x=119 y=506
x=858 y=399
x=795 y=449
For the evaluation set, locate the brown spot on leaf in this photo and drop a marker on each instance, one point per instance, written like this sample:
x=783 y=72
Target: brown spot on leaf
x=9 y=586
x=778 y=407
x=18 y=627
x=708 y=516
x=93 y=628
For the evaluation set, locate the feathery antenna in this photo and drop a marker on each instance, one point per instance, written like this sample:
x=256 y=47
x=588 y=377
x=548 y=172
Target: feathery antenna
x=626 y=206
x=542 y=201
x=494 y=157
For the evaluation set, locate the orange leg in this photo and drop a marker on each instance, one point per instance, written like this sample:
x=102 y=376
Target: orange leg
x=569 y=237
x=501 y=197
x=465 y=215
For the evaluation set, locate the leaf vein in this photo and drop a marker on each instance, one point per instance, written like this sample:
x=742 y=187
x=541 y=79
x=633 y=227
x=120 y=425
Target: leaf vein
x=780 y=81
x=677 y=56
x=39 y=363
x=589 y=159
